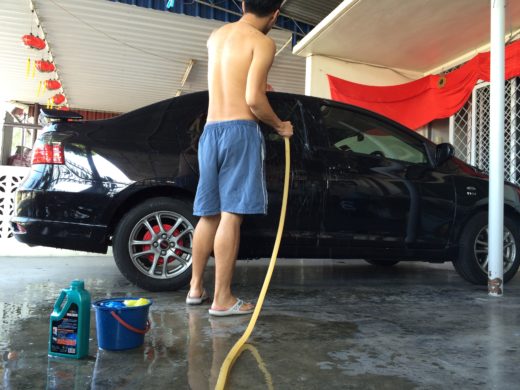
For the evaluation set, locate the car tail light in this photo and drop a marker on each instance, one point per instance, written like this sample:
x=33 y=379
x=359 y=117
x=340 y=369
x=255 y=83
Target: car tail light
x=48 y=154
x=20 y=229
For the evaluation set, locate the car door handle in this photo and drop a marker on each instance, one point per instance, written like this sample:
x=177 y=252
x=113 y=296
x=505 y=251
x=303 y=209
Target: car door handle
x=339 y=168
x=298 y=175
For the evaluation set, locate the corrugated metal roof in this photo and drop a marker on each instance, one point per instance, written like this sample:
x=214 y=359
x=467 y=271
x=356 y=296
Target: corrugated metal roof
x=222 y=10
x=15 y=21
x=117 y=57
x=309 y=11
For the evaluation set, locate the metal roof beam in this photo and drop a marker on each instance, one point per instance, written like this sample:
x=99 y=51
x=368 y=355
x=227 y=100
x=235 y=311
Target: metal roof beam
x=225 y=11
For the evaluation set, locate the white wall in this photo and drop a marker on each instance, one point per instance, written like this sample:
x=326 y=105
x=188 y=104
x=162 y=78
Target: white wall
x=437 y=131
x=317 y=84
x=440 y=130
x=318 y=67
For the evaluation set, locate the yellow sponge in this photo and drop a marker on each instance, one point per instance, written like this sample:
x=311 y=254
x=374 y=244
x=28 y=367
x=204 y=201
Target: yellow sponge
x=136 y=302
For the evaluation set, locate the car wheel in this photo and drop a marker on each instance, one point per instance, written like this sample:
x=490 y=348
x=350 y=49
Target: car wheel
x=152 y=244
x=472 y=262
x=382 y=263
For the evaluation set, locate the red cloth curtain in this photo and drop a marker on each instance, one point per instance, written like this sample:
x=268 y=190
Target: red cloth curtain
x=432 y=97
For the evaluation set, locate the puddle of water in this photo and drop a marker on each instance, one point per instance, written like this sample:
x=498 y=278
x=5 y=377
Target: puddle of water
x=184 y=349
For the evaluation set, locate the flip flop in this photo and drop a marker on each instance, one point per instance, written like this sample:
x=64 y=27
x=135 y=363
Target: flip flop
x=232 y=311
x=195 y=300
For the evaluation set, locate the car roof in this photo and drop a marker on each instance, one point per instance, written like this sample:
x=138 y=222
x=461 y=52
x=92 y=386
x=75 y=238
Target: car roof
x=196 y=97
x=204 y=94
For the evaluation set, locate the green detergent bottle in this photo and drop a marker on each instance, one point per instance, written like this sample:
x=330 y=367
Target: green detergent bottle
x=70 y=322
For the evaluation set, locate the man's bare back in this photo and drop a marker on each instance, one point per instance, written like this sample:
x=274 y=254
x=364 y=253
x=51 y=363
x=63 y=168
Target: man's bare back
x=230 y=51
x=240 y=57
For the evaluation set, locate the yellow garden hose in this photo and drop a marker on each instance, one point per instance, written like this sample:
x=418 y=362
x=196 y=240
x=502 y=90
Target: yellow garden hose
x=237 y=349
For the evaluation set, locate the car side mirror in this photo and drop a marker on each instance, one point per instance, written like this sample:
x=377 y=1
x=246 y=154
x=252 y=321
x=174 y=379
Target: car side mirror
x=443 y=153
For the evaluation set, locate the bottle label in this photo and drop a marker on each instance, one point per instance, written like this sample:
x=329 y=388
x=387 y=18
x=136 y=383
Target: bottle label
x=65 y=332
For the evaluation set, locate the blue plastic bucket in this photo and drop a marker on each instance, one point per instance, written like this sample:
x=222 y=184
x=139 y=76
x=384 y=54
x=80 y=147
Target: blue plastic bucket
x=120 y=328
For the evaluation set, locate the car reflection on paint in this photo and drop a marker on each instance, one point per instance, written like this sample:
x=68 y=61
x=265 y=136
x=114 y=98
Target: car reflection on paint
x=361 y=186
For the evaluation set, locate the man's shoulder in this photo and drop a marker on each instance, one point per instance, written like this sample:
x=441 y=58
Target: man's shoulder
x=217 y=30
x=265 y=42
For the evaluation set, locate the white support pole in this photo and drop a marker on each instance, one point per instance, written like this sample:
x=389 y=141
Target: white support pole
x=469 y=117
x=451 y=134
x=496 y=151
x=473 y=153
x=480 y=134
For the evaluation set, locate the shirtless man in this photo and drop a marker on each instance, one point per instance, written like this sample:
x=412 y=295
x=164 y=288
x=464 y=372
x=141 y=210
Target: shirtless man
x=232 y=181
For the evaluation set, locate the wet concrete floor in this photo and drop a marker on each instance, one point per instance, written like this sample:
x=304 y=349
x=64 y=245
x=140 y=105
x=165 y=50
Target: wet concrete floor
x=325 y=325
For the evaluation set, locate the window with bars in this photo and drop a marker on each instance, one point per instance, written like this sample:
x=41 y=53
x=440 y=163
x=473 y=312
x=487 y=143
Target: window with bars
x=469 y=129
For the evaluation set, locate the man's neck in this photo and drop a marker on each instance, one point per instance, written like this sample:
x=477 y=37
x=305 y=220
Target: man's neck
x=259 y=23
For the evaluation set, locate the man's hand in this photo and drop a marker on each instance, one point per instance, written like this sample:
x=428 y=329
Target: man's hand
x=285 y=129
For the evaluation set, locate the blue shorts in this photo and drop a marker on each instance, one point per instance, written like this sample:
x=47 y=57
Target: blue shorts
x=231 y=164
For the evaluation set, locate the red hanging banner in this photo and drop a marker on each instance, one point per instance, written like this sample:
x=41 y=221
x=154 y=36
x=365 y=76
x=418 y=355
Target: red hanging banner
x=432 y=97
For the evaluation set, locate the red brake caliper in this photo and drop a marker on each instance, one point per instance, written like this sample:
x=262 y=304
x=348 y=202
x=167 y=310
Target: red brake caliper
x=156 y=229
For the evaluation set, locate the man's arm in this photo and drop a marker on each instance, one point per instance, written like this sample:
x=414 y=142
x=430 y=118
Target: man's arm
x=211 y=36
x=263 y=56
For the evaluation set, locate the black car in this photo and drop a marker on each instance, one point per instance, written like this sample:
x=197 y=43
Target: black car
x=361 y=186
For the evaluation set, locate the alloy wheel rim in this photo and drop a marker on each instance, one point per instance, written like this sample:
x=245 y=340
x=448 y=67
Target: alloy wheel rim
x=481 y=246
x=160 y=245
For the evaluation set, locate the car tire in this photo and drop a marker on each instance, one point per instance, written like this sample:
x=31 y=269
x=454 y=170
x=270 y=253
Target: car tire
x=382 y=263
x=471 y=263
x=152 y=244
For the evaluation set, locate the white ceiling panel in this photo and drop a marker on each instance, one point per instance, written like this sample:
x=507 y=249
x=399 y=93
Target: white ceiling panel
x=417 y=35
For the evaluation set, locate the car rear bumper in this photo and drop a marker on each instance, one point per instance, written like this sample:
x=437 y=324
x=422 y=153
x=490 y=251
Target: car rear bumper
x=65 y=235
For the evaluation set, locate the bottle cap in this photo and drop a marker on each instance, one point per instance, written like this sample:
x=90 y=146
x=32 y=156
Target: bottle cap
x=78 y=284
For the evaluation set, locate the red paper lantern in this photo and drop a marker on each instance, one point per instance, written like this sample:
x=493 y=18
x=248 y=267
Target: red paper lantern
x=58 y=99
x=52 y=84
x=34 y=42
x=45 y=66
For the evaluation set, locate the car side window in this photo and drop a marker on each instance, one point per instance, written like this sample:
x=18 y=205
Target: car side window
x=189 y=131
x=354 y=132
x=286 y=109
x=181 y=125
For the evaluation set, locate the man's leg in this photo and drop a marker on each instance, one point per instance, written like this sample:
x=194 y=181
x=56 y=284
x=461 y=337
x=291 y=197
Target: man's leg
x=203 y=241
x=227 y=241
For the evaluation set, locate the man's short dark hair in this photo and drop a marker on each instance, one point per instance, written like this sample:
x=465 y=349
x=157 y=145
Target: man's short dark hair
x=262 y=8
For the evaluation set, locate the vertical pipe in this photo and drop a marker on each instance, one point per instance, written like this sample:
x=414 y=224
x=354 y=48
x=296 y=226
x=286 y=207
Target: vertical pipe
x=36 y=122
x=473 y=153
x=5 y=135
x=309 y=76
x=451 y=134
x=467 y=144
x=496 y=151
x=480 y=135
x=513 y=138
x=23 y=129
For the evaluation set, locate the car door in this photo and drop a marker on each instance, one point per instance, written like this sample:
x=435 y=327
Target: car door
x=370 y=201
x=305 y=192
